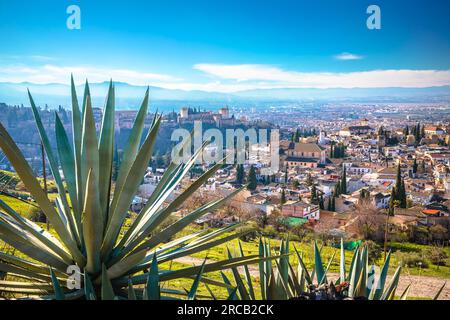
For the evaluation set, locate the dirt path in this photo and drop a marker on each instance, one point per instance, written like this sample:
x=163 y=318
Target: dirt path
x=421 y=286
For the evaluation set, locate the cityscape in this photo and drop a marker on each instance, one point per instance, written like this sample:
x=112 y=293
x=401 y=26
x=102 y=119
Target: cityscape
x=306 y=184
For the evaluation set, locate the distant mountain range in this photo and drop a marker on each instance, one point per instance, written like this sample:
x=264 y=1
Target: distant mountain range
x=129 y=96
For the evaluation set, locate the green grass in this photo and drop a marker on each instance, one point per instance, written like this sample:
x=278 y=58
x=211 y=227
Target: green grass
x=19 y=206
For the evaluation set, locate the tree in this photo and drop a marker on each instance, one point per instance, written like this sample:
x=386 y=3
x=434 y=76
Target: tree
x=415 y=166
x=399 y=189
x=402 y=195
x=283 y=196
x=295 y=184
x=321 y=204
x=344 y=181
x=286 y=175
x=333 y=203
x=337 y=189
x=313 y=194
x=364 y=195
x=240 y=174
x=252 y=183
x=309 y=180
x=392 y=202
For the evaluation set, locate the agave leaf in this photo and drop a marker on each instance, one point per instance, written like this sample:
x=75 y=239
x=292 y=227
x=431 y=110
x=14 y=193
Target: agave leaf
x=123 y=266
x=76 y=135
x=405 y=293
x=92 y=224
x=89 y=291
x=151 y=217
x=24 y=264
x=237 y=278
x=67 y=163
x=308 y=278
x=352 y=262
x=106 y=150
x=43 y=236
x=318 y=265
x=107 y=289
x=192 y=293
x=294 y=281
x=22 y=273
x=59 y=294
x=26 y=174
x=274 y=292
x=131 y=292
x=131 y=149
x=328 y=267
x=262 y=274
x=29 y=245
x=436 y=297
x=49 y=152
x=89 y=151
x=27 y=287
x=284 y=285
x=231 y=290
x=342 y=262
x=210 y=292
x=192 y=271
x=248 y=278
x=355 y=273
x=183 y=222
x=125 y=196
x=361 y=286
x=154 y=219
x=182 y=252
x=87 y=93
x=283 y=269
x=377 y=291
x=392 y=286
x=152 y=289
x=233 y=294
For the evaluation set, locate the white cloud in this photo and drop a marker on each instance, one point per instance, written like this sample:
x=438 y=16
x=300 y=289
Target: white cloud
x=348 y=56
x=230 y=78
x=57 y=74
x=294 y=79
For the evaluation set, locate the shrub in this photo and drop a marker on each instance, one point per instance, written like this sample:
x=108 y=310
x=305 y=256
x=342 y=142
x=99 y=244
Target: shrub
x=437 y=256
x=411 y=259
x=270 y=232
x=375 y=251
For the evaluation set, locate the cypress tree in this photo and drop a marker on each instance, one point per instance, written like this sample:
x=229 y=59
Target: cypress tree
x=240 y=174
x=402 y=195
x=344 y=181
x=337 y=189
x=321 y=204
x=398 y=181
x=252 y=179
x=392 y=202
x=313 y=194
x=333 y=203
x=283 y=196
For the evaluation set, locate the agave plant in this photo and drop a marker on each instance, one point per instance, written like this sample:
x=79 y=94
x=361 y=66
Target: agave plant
x=282 y=280
x=90 y=211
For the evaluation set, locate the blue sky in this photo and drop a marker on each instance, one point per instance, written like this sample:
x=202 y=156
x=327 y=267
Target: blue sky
x=219 y=45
